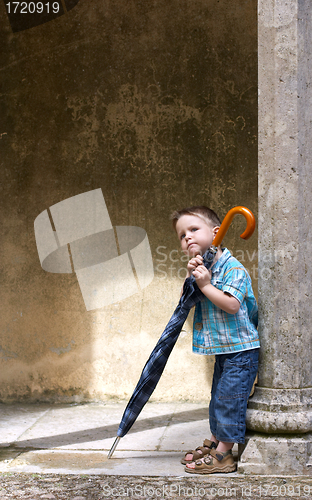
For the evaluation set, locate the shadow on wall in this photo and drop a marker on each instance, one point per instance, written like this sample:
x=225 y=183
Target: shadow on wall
x=155 y=105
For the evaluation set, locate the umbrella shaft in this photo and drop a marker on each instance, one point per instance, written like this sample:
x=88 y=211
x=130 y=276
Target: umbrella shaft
x=113 y=448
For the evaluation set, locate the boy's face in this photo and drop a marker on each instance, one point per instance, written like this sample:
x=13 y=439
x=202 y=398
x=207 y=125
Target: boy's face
x=195 y=234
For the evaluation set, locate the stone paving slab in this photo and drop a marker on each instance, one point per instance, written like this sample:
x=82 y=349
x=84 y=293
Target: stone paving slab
x=94 y=426
x=16 y=419
x=77 y=437
x=130 y=463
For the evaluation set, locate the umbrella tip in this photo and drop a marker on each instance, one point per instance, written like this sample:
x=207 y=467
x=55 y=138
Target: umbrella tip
x=113 y=448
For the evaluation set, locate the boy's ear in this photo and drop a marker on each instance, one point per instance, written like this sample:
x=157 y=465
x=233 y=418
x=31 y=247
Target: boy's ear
x=215 y=230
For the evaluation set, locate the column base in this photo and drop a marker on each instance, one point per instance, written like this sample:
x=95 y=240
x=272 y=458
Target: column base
x=280 y=411
x=276 y=454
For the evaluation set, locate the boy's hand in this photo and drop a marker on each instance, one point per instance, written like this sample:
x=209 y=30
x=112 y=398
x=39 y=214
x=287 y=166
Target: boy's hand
x=202 y=276
x=193 y=264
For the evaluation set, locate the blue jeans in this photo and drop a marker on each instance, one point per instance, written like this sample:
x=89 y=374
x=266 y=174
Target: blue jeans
x=233 y=378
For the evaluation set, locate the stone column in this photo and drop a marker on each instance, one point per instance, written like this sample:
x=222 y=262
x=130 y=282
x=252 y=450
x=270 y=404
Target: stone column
x=280 y=413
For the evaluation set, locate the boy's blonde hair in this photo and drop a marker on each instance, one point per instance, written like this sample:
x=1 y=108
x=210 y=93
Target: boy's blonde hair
x=205 y=213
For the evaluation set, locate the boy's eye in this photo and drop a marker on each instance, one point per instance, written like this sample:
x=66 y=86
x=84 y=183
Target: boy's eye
x=194 y=229
x=182 y=236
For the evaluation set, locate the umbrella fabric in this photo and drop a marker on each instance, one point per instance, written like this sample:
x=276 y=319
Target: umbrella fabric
x=156 y=363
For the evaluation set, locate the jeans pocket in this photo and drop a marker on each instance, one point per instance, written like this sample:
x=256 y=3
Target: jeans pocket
x=235 y=379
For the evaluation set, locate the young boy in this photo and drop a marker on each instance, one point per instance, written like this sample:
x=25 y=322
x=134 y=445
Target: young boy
x=225 y=325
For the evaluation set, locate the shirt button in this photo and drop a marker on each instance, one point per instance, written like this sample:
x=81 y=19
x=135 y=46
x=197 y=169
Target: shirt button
x=198 y=326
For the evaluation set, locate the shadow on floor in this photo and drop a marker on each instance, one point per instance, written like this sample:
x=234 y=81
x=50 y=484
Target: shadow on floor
x=109 y=431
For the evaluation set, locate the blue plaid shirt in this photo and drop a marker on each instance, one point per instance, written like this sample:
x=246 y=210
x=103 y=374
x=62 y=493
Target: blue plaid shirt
x=218 y=332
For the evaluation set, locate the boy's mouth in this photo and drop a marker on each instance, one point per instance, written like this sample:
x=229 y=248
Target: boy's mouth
x=192 y=247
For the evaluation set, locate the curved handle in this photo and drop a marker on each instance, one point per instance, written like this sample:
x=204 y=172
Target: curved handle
x=251 y=224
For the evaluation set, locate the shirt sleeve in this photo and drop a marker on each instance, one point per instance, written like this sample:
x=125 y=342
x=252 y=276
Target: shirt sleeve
x=235 y=282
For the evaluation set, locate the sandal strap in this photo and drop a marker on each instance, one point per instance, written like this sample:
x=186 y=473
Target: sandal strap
x=209 y=444
x=197 y=455
x=201 y=448
x=220 y=455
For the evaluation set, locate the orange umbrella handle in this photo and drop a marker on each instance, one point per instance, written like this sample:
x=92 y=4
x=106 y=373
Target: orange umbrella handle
x=251 y=224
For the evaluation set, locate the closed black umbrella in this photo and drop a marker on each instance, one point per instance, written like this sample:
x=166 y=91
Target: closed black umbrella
x=156 y=363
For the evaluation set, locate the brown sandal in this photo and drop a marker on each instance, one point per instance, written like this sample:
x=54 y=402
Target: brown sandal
x=205 y=449
x=216 y=462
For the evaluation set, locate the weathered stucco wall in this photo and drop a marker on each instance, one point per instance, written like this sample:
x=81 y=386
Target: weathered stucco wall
x=156 y=104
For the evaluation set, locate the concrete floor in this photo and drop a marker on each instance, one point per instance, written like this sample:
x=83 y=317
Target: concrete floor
x=60 y=451
x=75 y=438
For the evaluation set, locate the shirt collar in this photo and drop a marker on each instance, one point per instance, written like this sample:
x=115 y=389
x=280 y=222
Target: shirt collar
x=226 y=254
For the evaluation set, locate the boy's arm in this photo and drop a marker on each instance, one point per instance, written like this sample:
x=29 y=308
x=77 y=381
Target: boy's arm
x=225 y=301
x=221 y=299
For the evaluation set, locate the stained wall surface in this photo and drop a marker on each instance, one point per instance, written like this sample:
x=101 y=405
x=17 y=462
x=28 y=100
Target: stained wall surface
x=155 y=104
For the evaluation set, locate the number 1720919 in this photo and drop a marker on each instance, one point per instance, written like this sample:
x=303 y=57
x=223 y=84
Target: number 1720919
x=32 y=7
